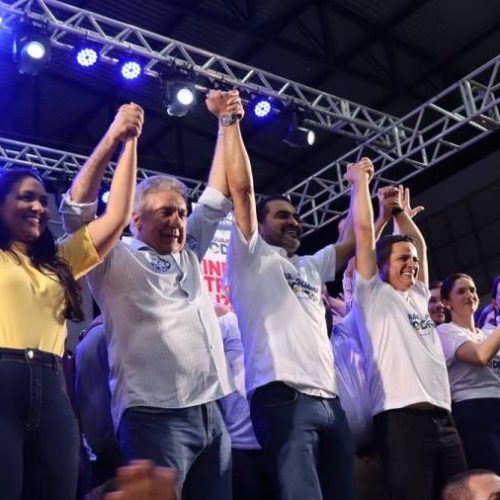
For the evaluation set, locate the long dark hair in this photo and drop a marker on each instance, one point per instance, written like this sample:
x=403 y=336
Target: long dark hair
x=449 y=283
x=43 y=252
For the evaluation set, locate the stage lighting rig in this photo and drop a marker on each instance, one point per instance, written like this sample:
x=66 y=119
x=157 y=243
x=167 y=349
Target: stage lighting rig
x=31 y=49
x=299 y=135
x=179 y=94
x=130 y=69
x=261 y=107
x=86 y=55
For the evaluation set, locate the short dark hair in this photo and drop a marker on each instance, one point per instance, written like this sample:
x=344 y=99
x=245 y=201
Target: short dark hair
x=384 y=245
x=449 y=282
x=457 y=488
x=435 y=284
x=261 y=206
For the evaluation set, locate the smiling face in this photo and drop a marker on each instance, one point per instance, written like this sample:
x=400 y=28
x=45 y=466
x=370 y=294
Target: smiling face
x=436 y=307
x=462 y=299
x=281 y=226
x=162 y=221
x=24 y=210
x=401 y=269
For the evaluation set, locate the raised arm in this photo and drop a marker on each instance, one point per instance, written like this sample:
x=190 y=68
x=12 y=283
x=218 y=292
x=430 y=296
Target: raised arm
x=359 y=175
x=238 y=168
x=216 y=102
x=106 y=230
x=345 y=246
x=404 y=224
x=389 y=204
x=127 y=123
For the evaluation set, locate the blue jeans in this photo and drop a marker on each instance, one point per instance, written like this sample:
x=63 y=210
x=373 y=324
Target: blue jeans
x=39 y=439
x=192 y=440
x=308 y=440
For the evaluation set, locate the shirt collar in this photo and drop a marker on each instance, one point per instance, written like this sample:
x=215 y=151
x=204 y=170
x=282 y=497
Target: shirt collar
x=136 y=244
x=405 y=294
x=282 y=252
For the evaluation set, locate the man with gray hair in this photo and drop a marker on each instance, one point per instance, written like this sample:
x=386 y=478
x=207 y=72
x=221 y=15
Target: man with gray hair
x=167 y=363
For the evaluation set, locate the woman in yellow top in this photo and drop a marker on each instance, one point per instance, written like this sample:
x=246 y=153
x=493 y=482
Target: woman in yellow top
x=38 y=291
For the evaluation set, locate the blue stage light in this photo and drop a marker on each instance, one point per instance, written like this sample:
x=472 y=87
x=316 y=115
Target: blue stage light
x=131 y=70
x=185 y=96
x=31 y=50
x=298 y=134
x=86 y=56
x=180 y=97
x=35 y=50
x=105 y=197
x=261 y=108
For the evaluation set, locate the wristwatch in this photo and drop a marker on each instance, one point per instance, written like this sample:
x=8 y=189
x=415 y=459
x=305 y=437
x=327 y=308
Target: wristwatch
x=226 y=119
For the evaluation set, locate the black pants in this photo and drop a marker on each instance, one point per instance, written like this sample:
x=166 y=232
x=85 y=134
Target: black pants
x=478 y=423
x=420 y=451
x=252 y=476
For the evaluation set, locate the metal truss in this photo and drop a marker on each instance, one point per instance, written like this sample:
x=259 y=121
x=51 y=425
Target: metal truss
x=61 y=166
x=68 y=25
x=446 y=124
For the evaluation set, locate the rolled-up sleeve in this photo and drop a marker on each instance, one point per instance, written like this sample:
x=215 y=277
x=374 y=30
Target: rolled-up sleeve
x=211 y=209
x=74 y=215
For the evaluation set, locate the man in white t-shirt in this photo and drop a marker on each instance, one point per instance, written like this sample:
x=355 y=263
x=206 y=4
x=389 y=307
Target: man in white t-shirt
x=419 y=445
x=290 y=377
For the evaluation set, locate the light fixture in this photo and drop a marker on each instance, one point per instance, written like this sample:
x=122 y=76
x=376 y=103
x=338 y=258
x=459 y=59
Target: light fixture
x=31 y=50
x=261 y=107
x=180 y=96
x=86 y=55
x=298 y=135
x=130 y=69
x=105 y=196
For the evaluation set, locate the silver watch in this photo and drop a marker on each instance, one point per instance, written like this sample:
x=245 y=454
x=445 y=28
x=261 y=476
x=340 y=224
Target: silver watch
x=226 y=119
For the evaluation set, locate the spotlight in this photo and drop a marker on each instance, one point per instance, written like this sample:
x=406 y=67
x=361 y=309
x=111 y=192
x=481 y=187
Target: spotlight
x=105 y=197
x=86 y=56
x=130 y=70
x=180 y=97
x=31 y=50
x=261 y=107
x=298 y=135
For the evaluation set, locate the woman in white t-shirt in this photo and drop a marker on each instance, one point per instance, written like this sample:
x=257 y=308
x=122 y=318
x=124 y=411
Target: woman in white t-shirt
x=474 y=371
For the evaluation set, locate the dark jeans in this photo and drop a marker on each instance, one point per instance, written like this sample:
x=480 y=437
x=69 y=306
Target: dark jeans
x=192 y=440
x=420 y=451
x=39 y=441
x=308 y=441
x=252 y=476
x=478 y=424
